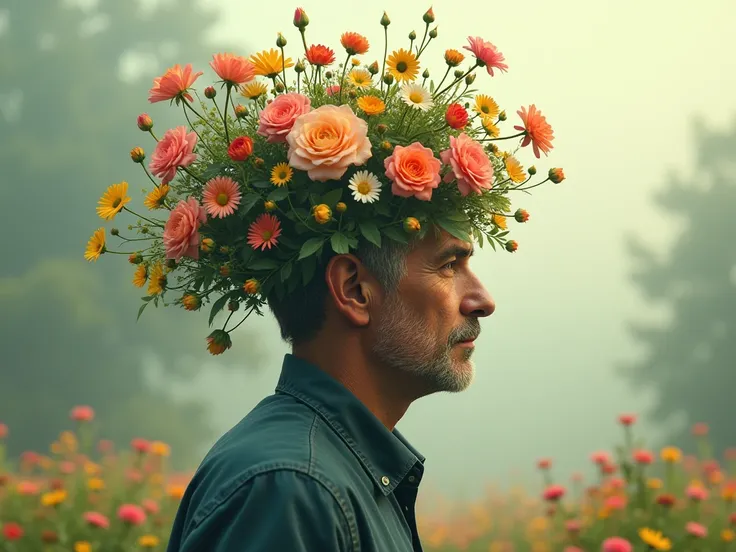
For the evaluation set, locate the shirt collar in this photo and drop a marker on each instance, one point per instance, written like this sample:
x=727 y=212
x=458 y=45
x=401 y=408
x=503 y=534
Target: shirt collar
x=386 y=455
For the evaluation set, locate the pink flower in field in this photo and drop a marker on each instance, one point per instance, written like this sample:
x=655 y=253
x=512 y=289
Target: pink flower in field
x=643 y=457
x=553 y=493
x=139 y=445
x=544 y=463
x=333 y=90
x=67 y=468
x=181 y=232
x=696 y=530
x=28 y=488
x=82 y=414
x=174 y=150
x=573 y=526
x=133 y=475
x=697 y=493
x=131 y=514
x=615 y=502
x=3 y=431
x=221 y=196
x=264 y=232
x=105 y=446
x=470 y=165
x=277 y=118
x=616 y=544
x=572 y=549
x=600 y=458
x=627 y=419
x=486 y=54
x=173 y=84
x=700 y=429
x=232 y=69
x=413 y=171
x=96 y=519
x=616 y=483
x=150 y=506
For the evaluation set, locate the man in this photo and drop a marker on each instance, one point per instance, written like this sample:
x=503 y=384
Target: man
x=319 y=465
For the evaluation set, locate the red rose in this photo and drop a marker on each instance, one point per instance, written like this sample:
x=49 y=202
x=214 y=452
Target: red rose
x=456 y=116
x=240 y=148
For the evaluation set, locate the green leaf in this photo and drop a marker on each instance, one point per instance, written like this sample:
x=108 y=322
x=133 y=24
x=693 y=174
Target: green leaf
x=454 y=228
x=147 y=298
x=396 y=234
x=262 y=184
x=309 y=265
x=286 y=272
x=279 y=194
x=140 y=310
x=217 y=306
x=332 y=197
x=208 y=277
x=263 y=264
x=302 y=195
x=247 y=203
x=211 y=171
x=246 y=253
x=371 y=232
x=310 y=247
x=382 y=209
x=456 y=217
x=340 y=243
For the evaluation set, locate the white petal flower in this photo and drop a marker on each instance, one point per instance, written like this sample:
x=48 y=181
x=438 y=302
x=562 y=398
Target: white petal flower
x=415 y=95
x=365 y=186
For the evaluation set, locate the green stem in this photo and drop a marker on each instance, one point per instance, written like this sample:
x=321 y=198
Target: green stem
x=224 y=110
x=283 y=67
x=243 y=320
x=522 y=133
x=426 y=30
x=342 y=79
x=194 y=176
x=149 y=175
x=152 y=134
x=457 y=80
x=195 y=131
x=385 y=54
x=304 y=39
x=187 y=104
x=160 y=225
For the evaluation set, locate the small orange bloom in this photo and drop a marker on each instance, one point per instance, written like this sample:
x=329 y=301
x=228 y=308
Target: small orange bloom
x=537 y=130
x=354 y=43
x=173 y=84
x=320 y=55
x=453 y=58
x=235 y=70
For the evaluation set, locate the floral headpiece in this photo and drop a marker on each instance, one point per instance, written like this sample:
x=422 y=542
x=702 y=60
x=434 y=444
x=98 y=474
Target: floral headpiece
x=317 y=158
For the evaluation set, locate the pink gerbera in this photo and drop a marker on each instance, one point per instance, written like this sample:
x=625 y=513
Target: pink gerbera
x=173 y=84
x=96 y=519
x=264 y=232
x=221 y=196
x=537 y=130
x=486 y=54
x=232 y=69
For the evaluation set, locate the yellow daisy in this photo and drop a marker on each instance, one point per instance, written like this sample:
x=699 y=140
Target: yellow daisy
x=500 y=221
x=515 y=170
x=281 y=174
x=156 y=280
x=360 y=78
x=371 y=105
x=254 y=90
x=671 y=455
x=492 y=130
x=655 y=539
x=148 y=541
x=82 y=546
x=156 y=197
x=95 y=484
x=140 y=276
x=486 y=106
x=53 y=498
x=269 y=63
x=95 y=245
x=113 y=201
x=403 y=65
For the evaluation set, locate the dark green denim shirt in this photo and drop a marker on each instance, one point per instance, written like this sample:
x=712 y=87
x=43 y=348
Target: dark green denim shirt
x=310 y=468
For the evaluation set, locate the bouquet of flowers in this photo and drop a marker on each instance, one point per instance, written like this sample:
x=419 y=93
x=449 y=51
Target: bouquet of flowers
x=287 y=163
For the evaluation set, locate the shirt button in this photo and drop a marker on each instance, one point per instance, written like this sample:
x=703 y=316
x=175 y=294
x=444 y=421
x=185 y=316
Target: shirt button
x=412 y=479
x=385 y=480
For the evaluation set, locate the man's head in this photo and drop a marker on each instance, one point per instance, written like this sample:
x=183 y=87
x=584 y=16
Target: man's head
x=413 y=309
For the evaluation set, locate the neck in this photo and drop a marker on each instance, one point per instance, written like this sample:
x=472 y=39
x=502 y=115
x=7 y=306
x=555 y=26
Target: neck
x=375 y=385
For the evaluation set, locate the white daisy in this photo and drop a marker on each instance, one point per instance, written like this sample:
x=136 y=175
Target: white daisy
x=415 y=95
x=365 y=186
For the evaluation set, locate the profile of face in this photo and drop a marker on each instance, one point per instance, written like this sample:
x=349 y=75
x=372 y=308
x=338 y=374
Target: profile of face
x=427 y=327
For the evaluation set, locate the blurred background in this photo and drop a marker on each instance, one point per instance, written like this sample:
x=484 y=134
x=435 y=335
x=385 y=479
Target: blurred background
x=621 y=297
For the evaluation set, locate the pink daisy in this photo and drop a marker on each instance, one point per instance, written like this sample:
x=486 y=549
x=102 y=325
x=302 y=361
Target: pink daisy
x=264 y=232
x=486 y=54
x=221 y=196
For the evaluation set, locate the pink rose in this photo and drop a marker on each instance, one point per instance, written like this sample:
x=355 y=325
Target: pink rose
x=278 y=117
x=175 y=149
x=181 y=233
x=414 y=171
x=470 y=165
x=327 y=140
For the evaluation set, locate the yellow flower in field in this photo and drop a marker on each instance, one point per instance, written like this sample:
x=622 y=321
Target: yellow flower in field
x=82 y=546
x=403 y=65
x=148 y=541
x=69 y=441
x=254 y=90
x=95 y=245
x=539 y=524
x=371 y=105
x=157 y=280
x=500 y=221
x=45 y=462
x=671 y=455
x=156 y=197
x=655 y=539
x=515 y=170
x=140 y=275
x=176 y=491
x=90 y=468
x=281 y=174
x=113 y=200
x=540 y=546
x=604 y=513
x=654 y=483
x=727 y=535
x=53 y=498
x=359 y=78
x=269 y=63
x=57 y=448
x=159 y=448
x=729 y=493
x=96 y=484
x=486 y=106
x=492 y=130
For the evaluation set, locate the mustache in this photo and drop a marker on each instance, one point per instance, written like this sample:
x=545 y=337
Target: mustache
x=469 y=330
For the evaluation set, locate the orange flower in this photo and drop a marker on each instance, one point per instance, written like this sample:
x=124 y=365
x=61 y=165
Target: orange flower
x=354 y=44
x=218 y=342
x=234 y=70
x=371 y=105
x=537 y=130
x=320 y=55
x=453 y=58
x=173 y=84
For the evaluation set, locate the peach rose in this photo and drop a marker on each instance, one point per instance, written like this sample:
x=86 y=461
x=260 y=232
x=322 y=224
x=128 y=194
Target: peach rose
x=327 y=140
x=175 y=149
x=414 y=171
x=470 y=165
x=277 y=118
x=181 y=233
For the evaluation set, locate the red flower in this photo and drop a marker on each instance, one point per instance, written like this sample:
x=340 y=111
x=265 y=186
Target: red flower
x=643 y=457
x=544 y=464
x=264 y=232
x=240 y=148
x=554 y=493
x=320 y=55
x=627 y=419
x=82 y=414
x=12 y=531
x=141 y=446
x=700 y=429
x=456 y=116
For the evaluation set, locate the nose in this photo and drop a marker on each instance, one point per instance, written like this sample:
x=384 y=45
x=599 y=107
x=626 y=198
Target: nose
x=477 y=302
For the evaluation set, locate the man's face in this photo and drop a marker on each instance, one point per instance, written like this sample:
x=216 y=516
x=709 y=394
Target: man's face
x=428 y=327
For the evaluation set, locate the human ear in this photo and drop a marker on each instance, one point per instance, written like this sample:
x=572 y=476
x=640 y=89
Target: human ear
x=350 y=288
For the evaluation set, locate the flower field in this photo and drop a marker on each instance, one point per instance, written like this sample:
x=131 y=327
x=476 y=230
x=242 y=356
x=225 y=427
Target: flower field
x=85 y=495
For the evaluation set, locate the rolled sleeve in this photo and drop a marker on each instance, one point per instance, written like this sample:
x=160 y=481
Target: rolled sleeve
x=280 y=510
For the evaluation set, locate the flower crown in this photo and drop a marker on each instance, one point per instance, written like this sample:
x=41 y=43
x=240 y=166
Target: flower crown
x=316 y=160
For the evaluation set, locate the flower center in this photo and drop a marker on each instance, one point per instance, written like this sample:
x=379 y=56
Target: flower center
x=416 y=97
x=364 y=188
x=401 y=66
x=116 y=203
x=282 y=175
x=266 y=235
x=485 y=109
x=222 y=198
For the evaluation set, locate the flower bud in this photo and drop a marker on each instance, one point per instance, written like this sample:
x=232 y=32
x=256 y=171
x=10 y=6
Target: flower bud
x=225 y=270
x=341 y=207
x=224 y=249
x=532 y=170
x=241 y=112
x=259 y=162
x=300 y=19
x=469 y=79
x=251 y=286
x=521 y=215
x=425 y=74
x=386 y=145
x=145 y=123
x=458 y=73
x=355 y=62
x=428 y=17
x=411 y=225
x=352 y=94
x=322 y=213
x=135 y=258
x=144 y=230
x=511 y=246
x=328 y=75
x=385 y=21
x=114 y=232
x=433 y=33
x=299 y=67
x=556 y=175
x=280 y=41
x=502 y=116
x=218 y=342
x=269 y=205
x=137 y=155
x=279 y=87
x=381 y=128
x=412 y=35
x=233 y=305
x=191 y=302
x=388 y=78
x=210 y=92
x=373 y=68
x=207 y=245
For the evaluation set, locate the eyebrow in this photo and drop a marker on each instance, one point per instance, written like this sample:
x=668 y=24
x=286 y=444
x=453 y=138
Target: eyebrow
x=459 y=251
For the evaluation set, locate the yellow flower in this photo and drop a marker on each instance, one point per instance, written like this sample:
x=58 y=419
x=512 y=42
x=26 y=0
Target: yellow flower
x=360 y=78
x=82 y=546
x=53 y=498
x=159 y=448
x=281 y=174
x=269 y=63
x=515 y=170
x=96 y=484
x=371 y=105
x=491 y=128
x=654 y=483
x=486 y=106
x=56 y=448
x=140 y=275
x=655 y=539
x=540 y=546
x=95 y=245
x=90 y=468
x=155 y=198
x=254 y=90
x=500 y=221
x=671 y=454
x=148 y=541
x=176 y=491
x=403 y=65
x=355 y=62
x=156 y=280
x=113 y=201
x=727 y=535
x=322 y=213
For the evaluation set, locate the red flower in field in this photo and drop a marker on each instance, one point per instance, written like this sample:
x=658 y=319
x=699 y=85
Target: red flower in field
x=666 y=500
x=600 y=457
x=627 y=419
x=544 y=463
x=105 y=446
x=56 y=484
x=730 y=454
x=67 y=468
x=12 y=531
x=132 y=514
x=643 y=457
x=96 y=519
x=49 y=537
x=711 y=466
x=537 y=130
x=354 y=44
x=320 y=55
x=82 y=414
x=696 y=530
x=133 y=475
x=608 y=469
x=615 y=502
x=456 y=116
x=616 y=544
x=240 y=148
x=732 y=519
x=697 y=493
x=573 y=526
x=139 y=445
x=3 y=431
x=150 y=506
x=264 y=232
x=553 y=493
x=700 y=429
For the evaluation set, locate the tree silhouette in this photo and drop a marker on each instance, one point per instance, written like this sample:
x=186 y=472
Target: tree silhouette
x=690 y=359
